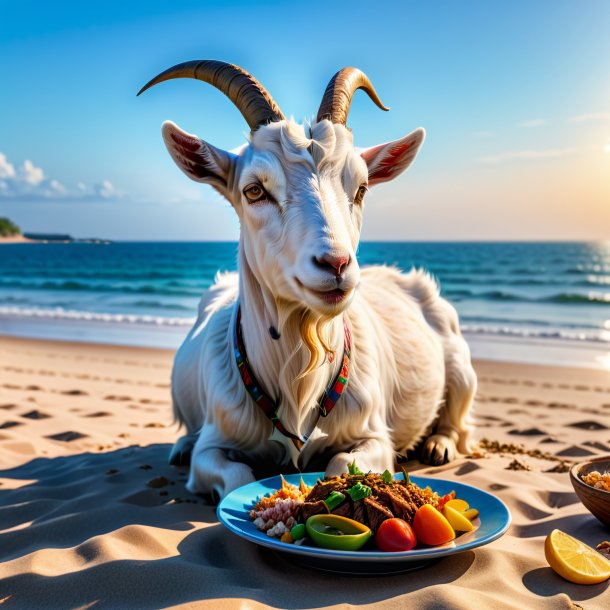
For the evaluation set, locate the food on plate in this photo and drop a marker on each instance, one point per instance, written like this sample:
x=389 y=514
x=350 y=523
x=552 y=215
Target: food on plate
x=367 y=498
x=395 y=535
x=574 y=560
x=431 y=527
x=458 y=521
x=344 y=512
x=598 y=480
x=275 y=514
x=339 y=533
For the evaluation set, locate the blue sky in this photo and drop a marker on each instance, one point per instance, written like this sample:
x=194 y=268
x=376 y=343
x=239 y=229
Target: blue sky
x=515 y=98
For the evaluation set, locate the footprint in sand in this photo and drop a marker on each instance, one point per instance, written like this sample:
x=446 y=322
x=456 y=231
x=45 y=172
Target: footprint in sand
x=67 y=437
x=574 y=451
x=98 y=414
x=10 y=424
x=11 y=405
x=36 y=415
x=528 y=432
x=598 y=446
x=74 y=393
x=587 y=425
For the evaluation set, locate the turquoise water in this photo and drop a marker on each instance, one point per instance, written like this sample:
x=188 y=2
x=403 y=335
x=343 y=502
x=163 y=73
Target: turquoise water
x=526 y=290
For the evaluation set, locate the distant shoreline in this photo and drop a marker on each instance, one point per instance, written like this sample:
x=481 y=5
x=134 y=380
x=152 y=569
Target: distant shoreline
x=16 y=239
x=21 y=239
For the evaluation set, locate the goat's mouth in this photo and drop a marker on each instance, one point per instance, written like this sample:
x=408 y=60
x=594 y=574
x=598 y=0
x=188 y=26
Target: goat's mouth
x=331 y=297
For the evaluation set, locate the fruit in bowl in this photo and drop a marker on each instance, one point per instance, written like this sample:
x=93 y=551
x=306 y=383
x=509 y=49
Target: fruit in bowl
x=590 y=486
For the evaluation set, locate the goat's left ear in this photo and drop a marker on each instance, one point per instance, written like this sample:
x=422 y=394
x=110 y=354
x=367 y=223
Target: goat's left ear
x=199 y=160
x=386 y=161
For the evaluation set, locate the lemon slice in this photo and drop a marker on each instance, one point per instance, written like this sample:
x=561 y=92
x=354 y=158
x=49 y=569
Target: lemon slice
x=574 y=560
x=457 y=520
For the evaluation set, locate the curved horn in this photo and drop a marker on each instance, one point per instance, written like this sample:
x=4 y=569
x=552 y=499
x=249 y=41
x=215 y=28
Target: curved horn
x=338 y=95
x=250 y=97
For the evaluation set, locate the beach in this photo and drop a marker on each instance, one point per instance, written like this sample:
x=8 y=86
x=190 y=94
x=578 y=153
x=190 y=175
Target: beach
x=91 y=514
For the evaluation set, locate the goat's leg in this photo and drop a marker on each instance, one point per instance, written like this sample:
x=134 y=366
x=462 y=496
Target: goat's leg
x=214 y=474
x=180 y=455
x=454 y=425
x=371 y=454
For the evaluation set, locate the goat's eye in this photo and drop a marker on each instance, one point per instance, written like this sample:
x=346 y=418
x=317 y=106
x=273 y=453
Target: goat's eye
x=255 y=192
x=360 y=193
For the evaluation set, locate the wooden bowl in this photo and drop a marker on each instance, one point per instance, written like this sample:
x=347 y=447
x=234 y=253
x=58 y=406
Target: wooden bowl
x=596 y=500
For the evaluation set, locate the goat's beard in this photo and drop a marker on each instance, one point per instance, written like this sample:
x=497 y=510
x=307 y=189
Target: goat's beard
x=301 y=326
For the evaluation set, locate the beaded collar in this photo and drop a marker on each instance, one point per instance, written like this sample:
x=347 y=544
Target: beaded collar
x=327 y=401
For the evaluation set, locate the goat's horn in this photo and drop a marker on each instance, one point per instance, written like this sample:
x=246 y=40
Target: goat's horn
x=338 y=95
x=250 y=97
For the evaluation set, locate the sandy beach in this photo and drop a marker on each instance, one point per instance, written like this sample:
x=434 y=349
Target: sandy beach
x=91 y=515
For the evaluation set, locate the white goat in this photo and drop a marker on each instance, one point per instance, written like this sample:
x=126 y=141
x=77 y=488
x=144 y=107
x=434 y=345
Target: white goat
x=299 y=193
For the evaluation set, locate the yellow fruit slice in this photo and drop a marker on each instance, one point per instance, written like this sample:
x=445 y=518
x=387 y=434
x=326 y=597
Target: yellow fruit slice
x=459 y=505
x=457 y=519
x=574 y=560
x=471 y=513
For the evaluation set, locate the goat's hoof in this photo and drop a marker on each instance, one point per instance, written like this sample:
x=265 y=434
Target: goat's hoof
x=438 y=449
x=180 y=454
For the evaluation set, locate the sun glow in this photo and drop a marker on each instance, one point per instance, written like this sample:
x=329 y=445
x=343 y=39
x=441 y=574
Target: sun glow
x=607 y=148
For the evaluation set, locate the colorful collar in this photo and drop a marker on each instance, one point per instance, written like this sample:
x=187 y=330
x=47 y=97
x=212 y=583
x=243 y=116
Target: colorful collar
x=328 y=400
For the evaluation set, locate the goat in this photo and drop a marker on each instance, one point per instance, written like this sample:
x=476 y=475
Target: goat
x=381 y=345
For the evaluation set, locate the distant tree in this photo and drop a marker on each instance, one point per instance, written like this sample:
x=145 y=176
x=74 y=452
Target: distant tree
x=8 y=228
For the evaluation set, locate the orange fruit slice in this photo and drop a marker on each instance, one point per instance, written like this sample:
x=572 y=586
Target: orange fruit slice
x=471 y=513
x=457 y=504
x=431 y=527
x=457 y=520
x=574 y=560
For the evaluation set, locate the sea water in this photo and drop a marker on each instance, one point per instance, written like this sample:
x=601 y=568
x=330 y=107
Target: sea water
x=531 y=302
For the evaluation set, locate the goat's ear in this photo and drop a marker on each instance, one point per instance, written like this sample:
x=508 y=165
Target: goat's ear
x=386 y=161
x=199 y=160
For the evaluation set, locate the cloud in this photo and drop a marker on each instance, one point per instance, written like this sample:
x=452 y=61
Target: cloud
x=592 y=116
x=550 y=153
x=532 y=123
x=28 y=182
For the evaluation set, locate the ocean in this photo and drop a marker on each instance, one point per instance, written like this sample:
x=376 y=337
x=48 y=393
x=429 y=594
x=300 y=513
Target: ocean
x=530 y=302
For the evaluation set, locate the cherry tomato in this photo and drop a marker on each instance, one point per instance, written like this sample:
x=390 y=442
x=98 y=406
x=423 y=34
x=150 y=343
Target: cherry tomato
x=395 y=535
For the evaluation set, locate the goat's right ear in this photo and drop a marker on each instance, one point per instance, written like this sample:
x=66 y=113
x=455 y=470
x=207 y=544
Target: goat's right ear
x=199 y=160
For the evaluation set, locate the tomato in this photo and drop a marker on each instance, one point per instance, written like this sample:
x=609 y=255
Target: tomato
x=395 y=535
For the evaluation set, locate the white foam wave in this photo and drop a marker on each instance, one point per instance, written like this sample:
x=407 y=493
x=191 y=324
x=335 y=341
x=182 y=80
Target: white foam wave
x=600 y=336
x=59 y=313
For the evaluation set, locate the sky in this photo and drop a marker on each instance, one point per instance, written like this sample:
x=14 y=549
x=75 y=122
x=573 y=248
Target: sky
x=514 y=97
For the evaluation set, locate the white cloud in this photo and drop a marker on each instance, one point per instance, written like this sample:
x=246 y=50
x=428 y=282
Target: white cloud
x=550 y=153
x=31 y=174
x=6 y=169
x=532 y=123
x=592 y=116
x=28 y=182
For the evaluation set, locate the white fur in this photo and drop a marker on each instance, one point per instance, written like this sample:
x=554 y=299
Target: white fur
x=410 y=368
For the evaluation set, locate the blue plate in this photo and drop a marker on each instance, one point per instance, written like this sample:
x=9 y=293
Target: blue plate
x=493 y=522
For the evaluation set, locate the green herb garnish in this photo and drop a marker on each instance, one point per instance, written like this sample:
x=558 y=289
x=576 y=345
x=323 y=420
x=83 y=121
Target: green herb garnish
x=387 y=477
x=359 y=491
x=353 y=469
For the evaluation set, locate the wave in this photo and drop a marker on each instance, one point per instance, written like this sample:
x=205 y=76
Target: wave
x=571 y=298
x=526 y=333
x=597 y=336
x=174 y=288
x=92 y=316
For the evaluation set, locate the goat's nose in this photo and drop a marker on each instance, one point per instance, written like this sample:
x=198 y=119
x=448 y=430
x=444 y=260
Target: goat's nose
x=334 y=262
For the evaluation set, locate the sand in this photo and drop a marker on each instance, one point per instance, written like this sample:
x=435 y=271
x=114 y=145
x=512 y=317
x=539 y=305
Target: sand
x=91 y=515
x=15 y=239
